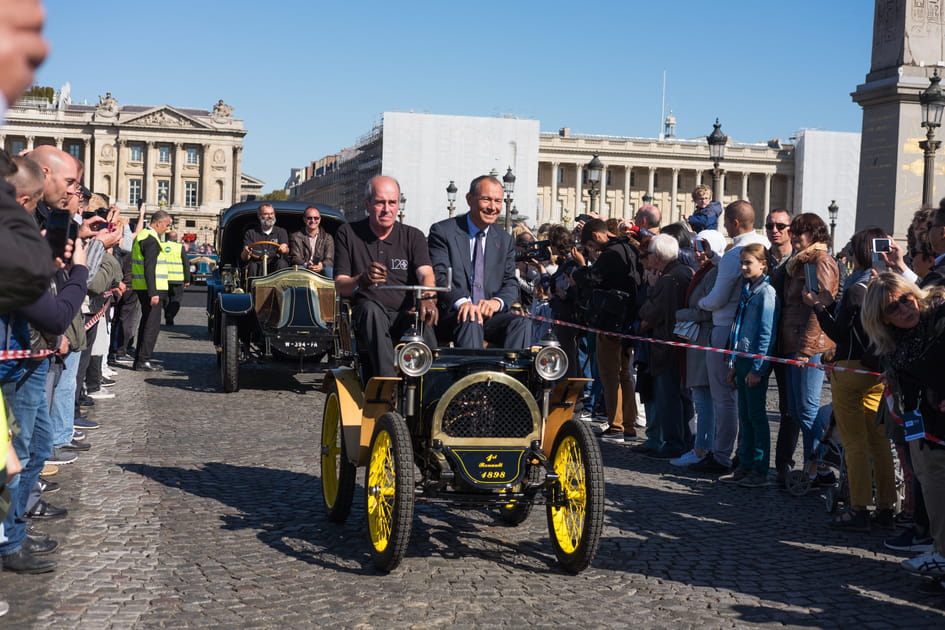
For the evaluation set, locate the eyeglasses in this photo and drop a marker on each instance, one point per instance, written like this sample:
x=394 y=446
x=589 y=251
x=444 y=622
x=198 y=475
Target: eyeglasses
x=893 y=306
x=781 y=226
x=313 y=218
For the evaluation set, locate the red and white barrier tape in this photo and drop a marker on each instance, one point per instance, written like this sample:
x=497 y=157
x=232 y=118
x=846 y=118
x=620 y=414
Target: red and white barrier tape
x=16 y=355
x=691 y=346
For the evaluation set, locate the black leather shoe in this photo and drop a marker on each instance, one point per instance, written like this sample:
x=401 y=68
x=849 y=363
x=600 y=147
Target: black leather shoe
x=32 y=532
x=23 y=561
x=40 y=546
x=85 y=401
x=46 y=511
x=76 y=446
x=147 y=367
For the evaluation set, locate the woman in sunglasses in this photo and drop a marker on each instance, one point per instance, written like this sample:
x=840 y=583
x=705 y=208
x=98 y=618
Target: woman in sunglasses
x=907 y=327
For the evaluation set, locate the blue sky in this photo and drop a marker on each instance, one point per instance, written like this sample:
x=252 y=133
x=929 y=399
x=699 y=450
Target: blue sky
x=307 y=78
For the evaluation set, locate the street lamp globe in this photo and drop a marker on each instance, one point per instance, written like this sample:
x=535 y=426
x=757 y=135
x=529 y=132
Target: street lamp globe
x=647 y=199
x=451 y=191
x=717 y=141
x=508 y=182
x=594 y=168
x=833 y=210
x=933 y=102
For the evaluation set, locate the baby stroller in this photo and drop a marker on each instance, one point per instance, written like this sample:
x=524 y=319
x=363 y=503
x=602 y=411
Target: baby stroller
x=828 y=452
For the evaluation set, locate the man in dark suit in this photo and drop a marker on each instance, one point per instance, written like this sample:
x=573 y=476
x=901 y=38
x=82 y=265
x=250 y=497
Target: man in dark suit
x=477 y=306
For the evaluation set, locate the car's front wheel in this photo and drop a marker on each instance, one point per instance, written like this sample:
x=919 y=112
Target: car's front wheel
x=389 y=487
x=576 y=515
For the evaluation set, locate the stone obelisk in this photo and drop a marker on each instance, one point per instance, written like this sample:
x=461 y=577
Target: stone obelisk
x=908 y=43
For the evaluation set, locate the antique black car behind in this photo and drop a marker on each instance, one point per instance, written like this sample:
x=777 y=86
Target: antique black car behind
x=284 y=314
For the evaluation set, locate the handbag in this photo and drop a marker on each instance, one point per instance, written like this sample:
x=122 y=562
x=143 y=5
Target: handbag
x=611 y=310
x=687 y=330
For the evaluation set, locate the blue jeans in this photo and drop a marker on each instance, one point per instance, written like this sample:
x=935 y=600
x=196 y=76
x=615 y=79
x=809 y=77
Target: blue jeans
x=705 y=417
x=804 y=386
x=63 y=403
x=33 y=446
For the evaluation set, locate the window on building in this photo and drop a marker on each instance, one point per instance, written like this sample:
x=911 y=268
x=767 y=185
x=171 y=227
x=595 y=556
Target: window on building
x=134 y=191
x=633 y=178
x=190 y=194
x=583 y=175
x=164 y=191
x=679 y=181
x=192 y=155
x=656 y=180
x=137 y=153
x=190 y=223
x=75 y=150
x=16 y=146
x=609 y=177
x=164 y=155
x=560 y=174
x=219 y=190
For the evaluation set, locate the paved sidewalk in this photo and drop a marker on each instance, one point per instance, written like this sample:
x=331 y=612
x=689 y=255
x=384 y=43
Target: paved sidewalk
x=196 y=508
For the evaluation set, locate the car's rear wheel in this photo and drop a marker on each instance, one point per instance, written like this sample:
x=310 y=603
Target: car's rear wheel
x=576 y=517
x=388 y=487
x=230 y=354
x=338 y=474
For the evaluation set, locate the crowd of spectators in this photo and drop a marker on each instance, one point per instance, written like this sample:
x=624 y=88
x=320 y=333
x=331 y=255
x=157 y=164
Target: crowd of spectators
x=869 y=318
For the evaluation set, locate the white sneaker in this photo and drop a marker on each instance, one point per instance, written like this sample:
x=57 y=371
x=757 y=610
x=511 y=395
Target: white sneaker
x=932 y=563
x=107 y=371
x=686 y=458
x=584 y=414
x=100 y=395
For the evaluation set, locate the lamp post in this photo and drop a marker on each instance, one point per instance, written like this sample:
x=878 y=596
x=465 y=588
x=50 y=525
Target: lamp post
x=594 y=168
x=717 y=141
x=403 y=204
x=647 y=199
x=451 y=191
x=833 y=210
x=932 y=101
x=508 y=183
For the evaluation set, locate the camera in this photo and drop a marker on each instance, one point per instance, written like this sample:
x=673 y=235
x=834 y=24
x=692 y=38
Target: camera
x=881 y=245
x=104 y=225
x=539 y=251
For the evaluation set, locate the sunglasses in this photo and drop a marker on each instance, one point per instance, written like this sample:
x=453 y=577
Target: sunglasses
x=313 y=218
x=781 y=226
x=892 y=307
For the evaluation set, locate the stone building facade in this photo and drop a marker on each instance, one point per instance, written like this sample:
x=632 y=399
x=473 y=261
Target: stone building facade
x=665 y=169
x=186 y=161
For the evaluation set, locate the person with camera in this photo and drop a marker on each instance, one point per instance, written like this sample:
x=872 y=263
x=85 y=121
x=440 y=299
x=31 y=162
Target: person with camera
x=478 y=306
x=312 y=247
x=614 y=281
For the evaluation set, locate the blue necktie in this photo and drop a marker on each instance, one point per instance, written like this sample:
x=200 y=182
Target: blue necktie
x=478 y=294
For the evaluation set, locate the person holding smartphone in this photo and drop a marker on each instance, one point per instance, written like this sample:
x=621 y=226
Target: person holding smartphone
x=802 y=337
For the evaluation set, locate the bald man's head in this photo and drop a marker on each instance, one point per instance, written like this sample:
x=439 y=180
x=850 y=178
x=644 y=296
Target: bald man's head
x=28 y=180
x=62 y=175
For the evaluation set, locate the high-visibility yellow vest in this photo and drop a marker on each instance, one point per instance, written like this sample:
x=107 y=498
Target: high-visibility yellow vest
x=174 y=259
x=138 y=281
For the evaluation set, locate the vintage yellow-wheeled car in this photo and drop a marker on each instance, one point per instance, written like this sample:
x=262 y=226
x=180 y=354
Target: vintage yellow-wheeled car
x=478 y=428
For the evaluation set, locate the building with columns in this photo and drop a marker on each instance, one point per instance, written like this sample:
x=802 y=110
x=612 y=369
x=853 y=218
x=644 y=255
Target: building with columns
x=665 y=169
x=186 y=161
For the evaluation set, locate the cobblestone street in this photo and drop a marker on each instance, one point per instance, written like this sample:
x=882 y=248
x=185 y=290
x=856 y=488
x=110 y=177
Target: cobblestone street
x=196 y=508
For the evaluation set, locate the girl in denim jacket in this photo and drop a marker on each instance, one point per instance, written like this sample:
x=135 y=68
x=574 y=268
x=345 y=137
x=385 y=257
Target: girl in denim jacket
x=753 y=331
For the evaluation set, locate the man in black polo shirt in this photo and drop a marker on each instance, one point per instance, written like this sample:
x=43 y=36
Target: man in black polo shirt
x=376 y=251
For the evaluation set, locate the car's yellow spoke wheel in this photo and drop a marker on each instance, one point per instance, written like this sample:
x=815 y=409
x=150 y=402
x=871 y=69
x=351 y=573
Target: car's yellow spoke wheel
x=338 y=474
x=576 y=515
x=389 y=487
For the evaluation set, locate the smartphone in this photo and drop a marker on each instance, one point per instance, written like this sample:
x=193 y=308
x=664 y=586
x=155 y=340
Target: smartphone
x=810 y=278
x=881 y=245
x=699 y=245
x=57 y=230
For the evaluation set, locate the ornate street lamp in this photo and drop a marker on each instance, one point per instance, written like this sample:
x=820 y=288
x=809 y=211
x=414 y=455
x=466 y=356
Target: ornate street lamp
x=833 y=210
x=647 y=198
x=932 y=101
x=403 y=204
x=508 y=183
x=717 y=141
x=594 y=169
x=451 y=191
